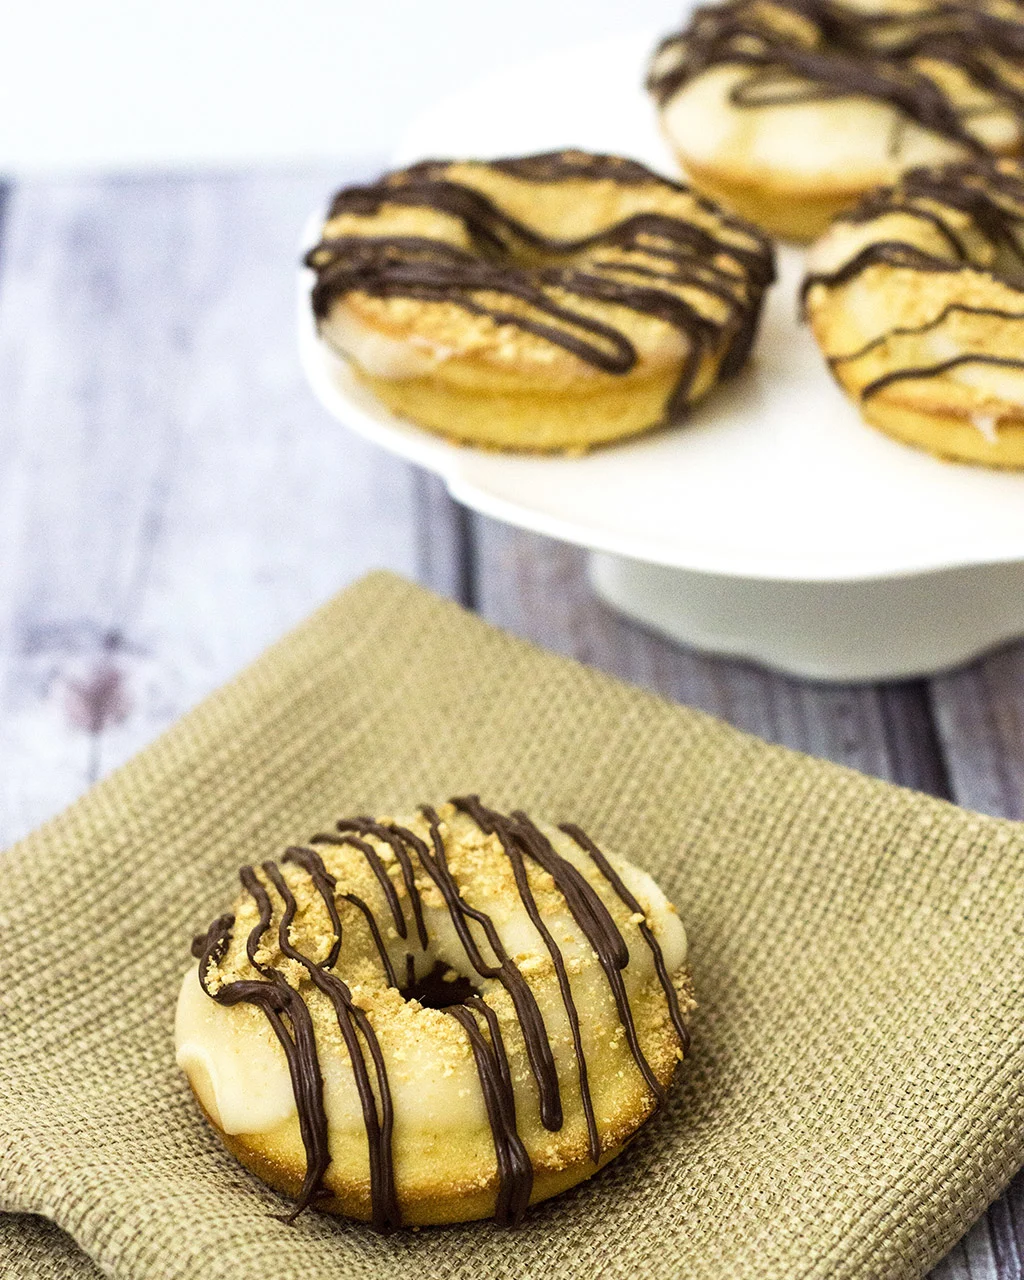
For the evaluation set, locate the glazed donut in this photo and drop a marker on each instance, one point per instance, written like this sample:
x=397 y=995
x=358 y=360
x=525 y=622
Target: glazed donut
x=548 y=303
x=916 y=298
x=791 y=110
x=434 y=1020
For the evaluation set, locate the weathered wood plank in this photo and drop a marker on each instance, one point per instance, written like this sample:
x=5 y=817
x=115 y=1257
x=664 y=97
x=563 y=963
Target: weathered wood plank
x=1005 y=1225
x=171 y=497
x=538 y=588
x=980 y=717
x=974 y=1258
x=443 y=540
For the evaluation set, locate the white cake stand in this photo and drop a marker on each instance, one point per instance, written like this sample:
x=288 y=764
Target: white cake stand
x=775 y=525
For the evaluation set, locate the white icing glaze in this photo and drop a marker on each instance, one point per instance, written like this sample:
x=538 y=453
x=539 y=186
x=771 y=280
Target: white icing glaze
x=235 y=1064
x=987 y=424
x=846 y=142
x=240 y=1072
x=1006 y=386
x=377 y=354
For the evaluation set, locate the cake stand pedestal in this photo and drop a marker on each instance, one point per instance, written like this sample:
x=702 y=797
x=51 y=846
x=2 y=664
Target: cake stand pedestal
x=886 y=629
x=774 y=525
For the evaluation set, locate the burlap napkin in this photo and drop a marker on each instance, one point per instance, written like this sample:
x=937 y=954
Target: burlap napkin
x=855 y=1094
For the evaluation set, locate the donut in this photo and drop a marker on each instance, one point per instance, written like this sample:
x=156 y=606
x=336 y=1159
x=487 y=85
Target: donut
x=916 y=298
x=548 y=303
x=790 y=110
x=444 y=1018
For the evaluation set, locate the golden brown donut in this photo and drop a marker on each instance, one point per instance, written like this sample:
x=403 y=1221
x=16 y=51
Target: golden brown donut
x=552 y=302
x=916 y=298
x=790 y=110
x=435 y=1020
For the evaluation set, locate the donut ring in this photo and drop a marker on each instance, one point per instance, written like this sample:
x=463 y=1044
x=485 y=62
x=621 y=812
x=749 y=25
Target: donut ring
x=916 y=298
x=437 y=1020
x=790 y=110
x=548 y=303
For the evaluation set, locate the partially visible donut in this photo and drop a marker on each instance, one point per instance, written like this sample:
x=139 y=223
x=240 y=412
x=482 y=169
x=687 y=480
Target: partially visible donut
x=916 y=298
x=553 y=302
x=434 y=1020
x=790 y=110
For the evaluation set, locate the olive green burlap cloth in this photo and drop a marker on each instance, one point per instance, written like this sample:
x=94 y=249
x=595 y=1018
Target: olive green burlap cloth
x=855 y=1095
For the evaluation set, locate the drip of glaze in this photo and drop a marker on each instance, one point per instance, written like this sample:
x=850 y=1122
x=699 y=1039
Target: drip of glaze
x=991 y=196
x=276 y=998
x=432 y=271
x=834 y=50
x=291 y=1022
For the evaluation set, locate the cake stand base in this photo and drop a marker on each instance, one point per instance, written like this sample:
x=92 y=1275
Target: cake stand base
x=886 y=629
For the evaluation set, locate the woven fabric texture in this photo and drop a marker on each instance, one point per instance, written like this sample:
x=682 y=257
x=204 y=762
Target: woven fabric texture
x=35 y=1249
x=855 y=1095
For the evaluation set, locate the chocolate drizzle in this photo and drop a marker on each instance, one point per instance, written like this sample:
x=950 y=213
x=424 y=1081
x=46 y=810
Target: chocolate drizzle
x=615 y=880
x=989 y=196
x=289 y=1017
x=515 y=1172
x=641 y=263
x=816 y=50
x=276 y=998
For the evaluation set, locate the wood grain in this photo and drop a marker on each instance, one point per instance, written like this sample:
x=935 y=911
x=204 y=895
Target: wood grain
x=979 y=713
x=537 y=588
x=171 y=499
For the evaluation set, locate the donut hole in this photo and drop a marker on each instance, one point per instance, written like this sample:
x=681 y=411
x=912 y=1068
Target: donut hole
x=441 y=988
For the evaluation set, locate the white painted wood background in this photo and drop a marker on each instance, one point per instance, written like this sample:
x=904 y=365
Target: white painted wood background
x=172 y=500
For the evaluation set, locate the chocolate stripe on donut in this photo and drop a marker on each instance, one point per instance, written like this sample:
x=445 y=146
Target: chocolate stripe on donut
x=887 y=253
x=913 y=331
x=601 y=932
x=277 y=1000
x=538 y=1046
x=987 y=192
x=275 y=997
x=378 y=941
x=817 y=50
x=404 y=861
x=934 y=370
x=986 y=195
x=384 y=1202
x=476 y=811
x=379 y=871
x=584 y=904
x=615 y=880
x=731 y=263
x=292 y=1024
x=515 y=1172
x=311 y=862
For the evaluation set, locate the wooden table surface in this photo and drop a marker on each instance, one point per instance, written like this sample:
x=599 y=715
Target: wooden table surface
x=172 y=499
